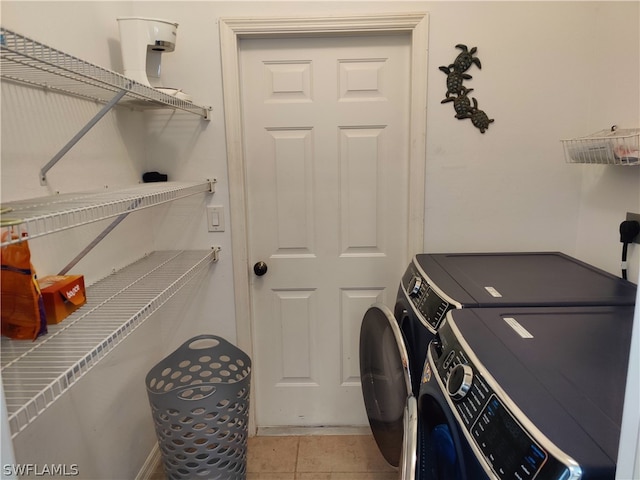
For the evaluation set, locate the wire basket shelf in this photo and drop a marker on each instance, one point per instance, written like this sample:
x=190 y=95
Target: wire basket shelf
x=45 y=215
x=35 y=374
x=606 y=147
x=30 y=62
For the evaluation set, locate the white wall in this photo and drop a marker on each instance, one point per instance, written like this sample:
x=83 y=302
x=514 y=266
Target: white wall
x=548 y=73
x=550 y=70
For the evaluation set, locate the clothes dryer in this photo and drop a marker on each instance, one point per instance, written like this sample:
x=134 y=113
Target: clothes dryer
x=524 y=393
x=393 y=344
x=433 y=284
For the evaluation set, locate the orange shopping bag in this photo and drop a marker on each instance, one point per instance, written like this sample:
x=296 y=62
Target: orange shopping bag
x=22 y=307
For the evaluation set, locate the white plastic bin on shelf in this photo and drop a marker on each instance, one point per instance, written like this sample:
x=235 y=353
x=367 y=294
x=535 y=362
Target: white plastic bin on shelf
x=609 y=147
x=199 y=398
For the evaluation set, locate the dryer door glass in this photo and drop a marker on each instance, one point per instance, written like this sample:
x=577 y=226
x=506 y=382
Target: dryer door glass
x=386 y=381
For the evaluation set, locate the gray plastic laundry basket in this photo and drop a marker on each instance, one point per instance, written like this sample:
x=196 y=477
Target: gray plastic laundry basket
x=199 y=398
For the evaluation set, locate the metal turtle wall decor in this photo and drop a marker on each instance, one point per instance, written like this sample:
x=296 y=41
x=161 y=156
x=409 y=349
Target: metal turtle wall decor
x=458 y=93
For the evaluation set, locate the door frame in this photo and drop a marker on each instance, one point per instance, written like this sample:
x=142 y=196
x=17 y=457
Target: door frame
x=232 y=30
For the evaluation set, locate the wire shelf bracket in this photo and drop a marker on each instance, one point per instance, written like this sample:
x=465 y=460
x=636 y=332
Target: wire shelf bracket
x=83 y=131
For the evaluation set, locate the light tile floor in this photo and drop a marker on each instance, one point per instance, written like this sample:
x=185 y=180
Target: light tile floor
x=317 y=457
x=324 y=457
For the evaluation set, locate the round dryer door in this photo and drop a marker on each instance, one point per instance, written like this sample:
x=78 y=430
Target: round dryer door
x=410 y=440
x=386 y=381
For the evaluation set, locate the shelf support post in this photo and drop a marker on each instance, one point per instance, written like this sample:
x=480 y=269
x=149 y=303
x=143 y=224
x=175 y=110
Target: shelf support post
x=80 y=134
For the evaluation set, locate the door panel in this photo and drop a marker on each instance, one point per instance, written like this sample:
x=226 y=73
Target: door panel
x=294 y=200
x=326 y=124
x=294 y=308
x=361 y=184
x=353 y=303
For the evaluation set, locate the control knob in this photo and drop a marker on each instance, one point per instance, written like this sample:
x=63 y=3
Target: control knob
x=414 y=286
x=459 y=381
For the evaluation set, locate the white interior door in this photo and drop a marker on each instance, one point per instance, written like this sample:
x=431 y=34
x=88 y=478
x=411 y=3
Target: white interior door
x=326 y=144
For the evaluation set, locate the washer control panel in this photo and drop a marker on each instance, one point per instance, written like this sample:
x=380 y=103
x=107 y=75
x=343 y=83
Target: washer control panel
x=504 y=447
x=427 y=304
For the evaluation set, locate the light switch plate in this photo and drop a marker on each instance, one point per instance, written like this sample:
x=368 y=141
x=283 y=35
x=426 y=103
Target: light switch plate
x=215 y=218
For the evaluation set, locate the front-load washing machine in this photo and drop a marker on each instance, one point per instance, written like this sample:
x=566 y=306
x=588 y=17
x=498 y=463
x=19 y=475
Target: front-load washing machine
x=524 y=393
x=393 y=344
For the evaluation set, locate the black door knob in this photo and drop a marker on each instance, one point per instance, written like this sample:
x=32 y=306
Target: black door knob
x=260 y=268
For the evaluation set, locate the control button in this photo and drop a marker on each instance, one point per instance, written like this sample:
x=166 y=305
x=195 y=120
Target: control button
x=414 y=286
x=447 y=361
x=475 y=398
x=459 y=382
x=483 y=385
x=478 y=393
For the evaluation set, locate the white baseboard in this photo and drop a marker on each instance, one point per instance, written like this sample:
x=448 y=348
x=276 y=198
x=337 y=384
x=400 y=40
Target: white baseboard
x=305 y=431
x=151 y=464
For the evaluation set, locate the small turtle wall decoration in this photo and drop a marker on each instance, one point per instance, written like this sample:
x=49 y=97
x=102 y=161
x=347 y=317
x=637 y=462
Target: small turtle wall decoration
x=479 y=119
x=454 y=80
x=461 y=103
x=463 y=62
x=458 y=93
